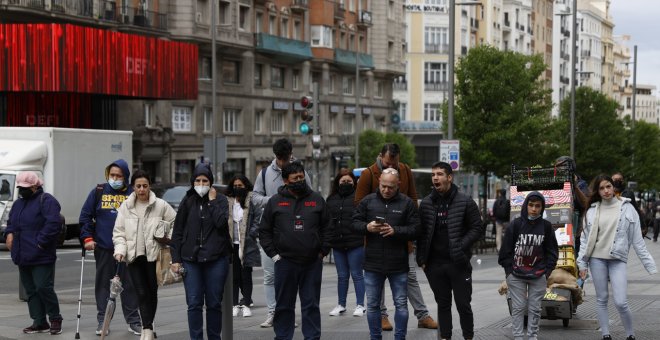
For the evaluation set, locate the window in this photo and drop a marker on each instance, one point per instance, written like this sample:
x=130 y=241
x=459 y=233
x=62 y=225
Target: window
x=205 y=71
x=297 y=33
x=351 y=5
x=284 y=29
x=351 y=42
x=208 y=119
x=436 y=2
x=231 y=120
x=258 y=70
x=342 y=40
x=333 y=83
x=321 y=36
x=363 y=86
x=231 y=72
x=361 y=44
x=436 y=39
x=435 y=73
x=277 y=122
x=276 y=77
x=243 y=18
x=272 y=25
x=390 y=9
x=390 y=50
x=258 y=22
x=432 y=112
x=333 y=124
x=347 y=85
x=259 y=121
x=349 y=121
x=224 y=10
x=148 y=114
x=379 y=89
x=296 y=80
x=403 y=108
x=181 y=119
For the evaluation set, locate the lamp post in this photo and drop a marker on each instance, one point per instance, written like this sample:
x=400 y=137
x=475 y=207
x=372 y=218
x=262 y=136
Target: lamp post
x=573 y=74
x=358 y=115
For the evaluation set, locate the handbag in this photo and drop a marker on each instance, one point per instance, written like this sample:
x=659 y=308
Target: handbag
x=164 y=274
x=163 y=232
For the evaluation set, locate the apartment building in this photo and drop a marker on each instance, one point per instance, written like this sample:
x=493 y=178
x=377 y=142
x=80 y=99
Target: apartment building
x=561 y=53
x=622 y=91
x=541 y=31
x=595 y=46
x=517 y=29
x=646 y=104
x=491 y=20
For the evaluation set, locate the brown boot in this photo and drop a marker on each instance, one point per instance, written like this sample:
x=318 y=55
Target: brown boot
x=427 y=322
x=385 y=323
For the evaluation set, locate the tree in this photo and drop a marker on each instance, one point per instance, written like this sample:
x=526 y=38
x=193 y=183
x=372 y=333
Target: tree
x=600 y=137
x=371 y=142
x=645 y=146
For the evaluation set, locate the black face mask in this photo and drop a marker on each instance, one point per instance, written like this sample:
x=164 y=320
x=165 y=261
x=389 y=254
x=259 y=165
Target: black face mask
x=297 y=187
x=345 y=189
x=618 y=185
x=240 y=192
x=26 y=193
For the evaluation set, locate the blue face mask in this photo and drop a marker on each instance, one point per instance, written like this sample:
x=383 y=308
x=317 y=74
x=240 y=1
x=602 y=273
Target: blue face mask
x=118 y=184
x=533 y=218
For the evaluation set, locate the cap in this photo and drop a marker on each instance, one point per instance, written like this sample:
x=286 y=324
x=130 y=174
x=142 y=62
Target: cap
x=27 y=179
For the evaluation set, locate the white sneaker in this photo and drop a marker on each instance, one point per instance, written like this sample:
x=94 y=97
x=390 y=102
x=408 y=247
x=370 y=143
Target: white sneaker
x=359 y=311
x=269 y=321
x=235 y=311
x=337 y=310
x=246 y=312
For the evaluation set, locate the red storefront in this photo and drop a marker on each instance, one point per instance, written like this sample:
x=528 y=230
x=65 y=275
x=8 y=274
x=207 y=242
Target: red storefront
x=71 y=76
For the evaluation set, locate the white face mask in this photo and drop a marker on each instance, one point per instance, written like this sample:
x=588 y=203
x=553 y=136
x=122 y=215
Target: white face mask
x=202 y=189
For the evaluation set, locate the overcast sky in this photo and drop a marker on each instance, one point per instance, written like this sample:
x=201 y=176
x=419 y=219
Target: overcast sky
x=641 y=20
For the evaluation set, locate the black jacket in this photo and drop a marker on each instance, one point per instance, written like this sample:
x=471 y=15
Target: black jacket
x=464 y=225
x=201 y=230
x=387 y=254
x=341 y=210
x=296 y=228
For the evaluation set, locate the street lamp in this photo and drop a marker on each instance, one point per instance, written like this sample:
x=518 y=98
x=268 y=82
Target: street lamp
x=358 y=114
x=450 y=67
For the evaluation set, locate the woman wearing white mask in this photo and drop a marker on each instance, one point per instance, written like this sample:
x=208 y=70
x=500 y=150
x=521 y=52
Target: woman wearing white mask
x=201 y=247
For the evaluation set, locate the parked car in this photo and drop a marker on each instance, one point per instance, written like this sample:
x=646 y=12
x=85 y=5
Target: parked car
x=173 y=193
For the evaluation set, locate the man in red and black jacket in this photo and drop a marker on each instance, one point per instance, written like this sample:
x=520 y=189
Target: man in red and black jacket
x=295 y=233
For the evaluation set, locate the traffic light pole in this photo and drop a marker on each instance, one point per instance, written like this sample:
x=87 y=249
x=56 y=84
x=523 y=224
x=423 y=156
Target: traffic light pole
x=316 y=139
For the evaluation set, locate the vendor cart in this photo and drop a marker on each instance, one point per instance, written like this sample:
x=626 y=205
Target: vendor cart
x=555 y=184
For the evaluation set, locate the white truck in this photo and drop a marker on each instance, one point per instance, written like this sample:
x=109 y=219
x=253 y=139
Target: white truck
x=70 y=161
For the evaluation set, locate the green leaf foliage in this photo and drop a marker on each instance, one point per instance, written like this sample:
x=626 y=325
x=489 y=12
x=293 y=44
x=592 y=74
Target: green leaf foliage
x=502 y=111
x=371 y=142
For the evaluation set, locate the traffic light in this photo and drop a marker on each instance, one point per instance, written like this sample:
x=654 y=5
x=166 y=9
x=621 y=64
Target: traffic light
x=306 y=115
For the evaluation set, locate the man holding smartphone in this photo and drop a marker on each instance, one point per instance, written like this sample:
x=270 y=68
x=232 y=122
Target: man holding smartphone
x=389 y=220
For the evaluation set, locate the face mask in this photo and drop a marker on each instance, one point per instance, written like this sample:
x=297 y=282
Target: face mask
x=240 y=192
x=345 y=189
x=25 y=192
x=618 y=185
x=202 y=190
x=118 y=184
x=297 y=187
x=533 y=218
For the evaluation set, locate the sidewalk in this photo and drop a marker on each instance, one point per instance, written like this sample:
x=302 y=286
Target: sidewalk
x=492 y=319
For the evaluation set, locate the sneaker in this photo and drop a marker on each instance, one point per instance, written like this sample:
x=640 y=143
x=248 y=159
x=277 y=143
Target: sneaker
x=235 y=310
x=338 y=310
x=135 y=328
x=607 y=337
x=630 y=337
x=247 y=312
x=269 y=321
x=385 y=323
x=36 y=329
x=427 y=322
x=99 y=328
x=56 y=326
x=359 y=311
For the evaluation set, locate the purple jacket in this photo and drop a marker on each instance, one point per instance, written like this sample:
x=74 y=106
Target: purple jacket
x=36 y=225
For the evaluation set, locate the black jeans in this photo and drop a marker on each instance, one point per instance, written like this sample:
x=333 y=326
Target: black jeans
x=242 y=280
x=143 y=275
x=456 y=277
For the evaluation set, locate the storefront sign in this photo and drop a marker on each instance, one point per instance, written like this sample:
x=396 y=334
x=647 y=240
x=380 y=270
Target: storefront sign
x=279 y=105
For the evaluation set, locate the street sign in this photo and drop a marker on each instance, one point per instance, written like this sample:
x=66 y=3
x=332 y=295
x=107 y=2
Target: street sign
x=450 y=152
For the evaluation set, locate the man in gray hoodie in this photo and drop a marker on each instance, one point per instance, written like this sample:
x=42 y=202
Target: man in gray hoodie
x=266 y=185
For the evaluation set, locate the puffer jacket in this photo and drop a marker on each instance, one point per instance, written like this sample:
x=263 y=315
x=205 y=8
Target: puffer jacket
x=125 y=233
x=387 y=254
x=35 y=223
x=463 y=224
x=628 y=233
x=341 y=214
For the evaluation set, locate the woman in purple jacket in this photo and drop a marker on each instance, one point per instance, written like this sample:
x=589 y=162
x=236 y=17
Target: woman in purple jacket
x=32 y=232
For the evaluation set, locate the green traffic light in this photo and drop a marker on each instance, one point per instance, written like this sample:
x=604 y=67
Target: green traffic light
x=304 y=128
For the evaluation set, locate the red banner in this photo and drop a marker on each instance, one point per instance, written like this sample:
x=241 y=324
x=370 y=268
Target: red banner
x=76 y=59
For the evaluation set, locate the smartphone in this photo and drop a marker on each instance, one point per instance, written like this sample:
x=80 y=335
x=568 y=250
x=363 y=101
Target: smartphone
x=380 y=220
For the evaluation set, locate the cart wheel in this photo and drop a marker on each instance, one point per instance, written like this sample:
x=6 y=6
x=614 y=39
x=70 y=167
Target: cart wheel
x=565 y=322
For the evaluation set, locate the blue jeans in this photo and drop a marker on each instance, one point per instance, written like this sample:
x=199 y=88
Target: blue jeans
x=205 y=283
x=616 y=270
x=349 y=263
x=293 y=279
x=269 y=280
x=374 y=284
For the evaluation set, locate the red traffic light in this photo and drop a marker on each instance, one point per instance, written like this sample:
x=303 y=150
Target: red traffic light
x=306 y=102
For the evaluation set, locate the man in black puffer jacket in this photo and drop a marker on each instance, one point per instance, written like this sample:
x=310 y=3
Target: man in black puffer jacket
x=450 y=224
x=389 y=220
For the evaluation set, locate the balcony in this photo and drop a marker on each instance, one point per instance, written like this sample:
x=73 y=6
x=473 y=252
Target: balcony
x=340 y=11
x=134 y=16
x=299 y=6
x=400 y=86
x=289 y=51
x=347 y=60
x=442 y=86
x=70 y=7
x=436 y=48
x=474 y=24
x=585 y=53
x=464 y=50
x=565 y=56
x=507 y=26
x=365 y=19
x=567 y=33
x=564 y=80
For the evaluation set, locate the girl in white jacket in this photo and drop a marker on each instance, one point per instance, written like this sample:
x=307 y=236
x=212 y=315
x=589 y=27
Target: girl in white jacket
x=133 y=237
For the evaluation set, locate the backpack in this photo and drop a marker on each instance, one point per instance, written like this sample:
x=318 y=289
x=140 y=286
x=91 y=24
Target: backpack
x=501 y=209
